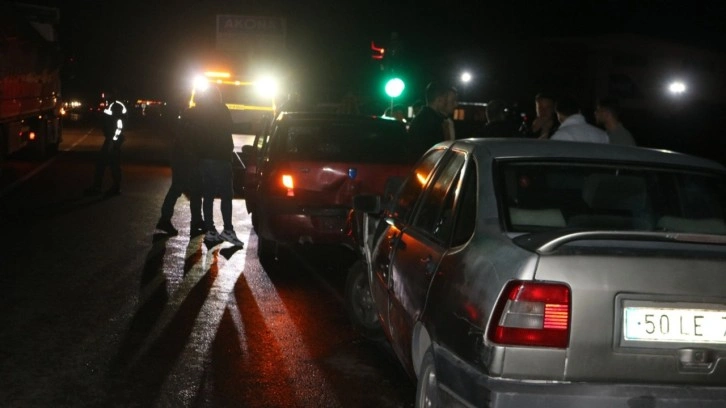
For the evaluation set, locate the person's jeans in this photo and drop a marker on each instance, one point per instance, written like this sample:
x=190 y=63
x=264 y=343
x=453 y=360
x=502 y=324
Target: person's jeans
x=217 y=180
x=185 y=178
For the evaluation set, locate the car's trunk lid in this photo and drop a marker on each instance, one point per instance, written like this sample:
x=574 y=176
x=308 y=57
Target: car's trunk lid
x=648 y=308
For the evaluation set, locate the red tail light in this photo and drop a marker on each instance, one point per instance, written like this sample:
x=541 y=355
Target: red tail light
x=532 y=314
x=282 y=182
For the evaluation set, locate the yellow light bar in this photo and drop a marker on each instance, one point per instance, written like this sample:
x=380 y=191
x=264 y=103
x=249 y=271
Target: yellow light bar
x=217 y=74
x=234 y=106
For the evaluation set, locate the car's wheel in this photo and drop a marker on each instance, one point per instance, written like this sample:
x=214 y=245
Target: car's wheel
x=359 y=303
x=427 y=388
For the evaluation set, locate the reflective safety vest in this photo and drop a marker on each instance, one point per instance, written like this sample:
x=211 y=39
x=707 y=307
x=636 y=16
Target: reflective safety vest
x=119 y=122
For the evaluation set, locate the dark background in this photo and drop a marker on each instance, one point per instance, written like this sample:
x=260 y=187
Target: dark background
x=144 y=48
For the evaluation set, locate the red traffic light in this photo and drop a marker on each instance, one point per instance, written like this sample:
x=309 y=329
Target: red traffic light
x=377 y=51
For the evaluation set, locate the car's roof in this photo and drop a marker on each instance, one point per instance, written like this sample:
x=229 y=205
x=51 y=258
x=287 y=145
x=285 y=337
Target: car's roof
x=327 y=116
x=551 y=149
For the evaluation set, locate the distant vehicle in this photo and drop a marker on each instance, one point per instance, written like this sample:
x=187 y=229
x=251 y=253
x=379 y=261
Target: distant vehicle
x=309 y=167
x=30 y=100
x=517 y=273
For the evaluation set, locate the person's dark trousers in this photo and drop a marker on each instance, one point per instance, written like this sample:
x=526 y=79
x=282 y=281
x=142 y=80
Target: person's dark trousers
x=217 y=180
x=185 y=177
x=109 y=156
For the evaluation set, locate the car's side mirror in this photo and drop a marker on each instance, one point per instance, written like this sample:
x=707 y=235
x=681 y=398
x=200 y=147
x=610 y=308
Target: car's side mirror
x=367 y=203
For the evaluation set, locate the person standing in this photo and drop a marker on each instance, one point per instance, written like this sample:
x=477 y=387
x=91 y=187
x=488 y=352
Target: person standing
x=545 y=123
x=211 y=129
x=110 y=154
x=433 y=124
x=498 y=124
x=185 y=178
x=607 y=114
x=573 y=126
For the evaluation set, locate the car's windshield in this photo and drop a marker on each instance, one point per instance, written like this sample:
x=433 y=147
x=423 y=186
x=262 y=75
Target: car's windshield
x=540 y=196
x=372 y=142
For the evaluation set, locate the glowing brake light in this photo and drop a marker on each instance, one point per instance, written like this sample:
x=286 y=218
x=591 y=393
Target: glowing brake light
x=532 y=314
x=289 y=183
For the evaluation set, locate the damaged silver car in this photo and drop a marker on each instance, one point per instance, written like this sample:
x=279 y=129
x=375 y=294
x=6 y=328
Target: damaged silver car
x=518 y=273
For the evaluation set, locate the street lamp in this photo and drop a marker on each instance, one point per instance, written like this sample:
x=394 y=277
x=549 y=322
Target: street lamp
x=465 y=78
x=677 y=87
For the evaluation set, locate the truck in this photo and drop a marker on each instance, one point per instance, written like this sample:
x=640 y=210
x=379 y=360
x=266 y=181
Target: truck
x=30 y=80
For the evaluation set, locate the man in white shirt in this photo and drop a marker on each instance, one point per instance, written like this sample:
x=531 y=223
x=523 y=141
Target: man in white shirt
x=573 y=126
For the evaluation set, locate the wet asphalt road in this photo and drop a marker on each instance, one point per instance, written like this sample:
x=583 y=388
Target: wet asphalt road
x=99 y=309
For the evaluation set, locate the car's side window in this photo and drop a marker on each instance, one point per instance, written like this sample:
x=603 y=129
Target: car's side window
x=436 y=211
x=414 y=184
x=466 y=211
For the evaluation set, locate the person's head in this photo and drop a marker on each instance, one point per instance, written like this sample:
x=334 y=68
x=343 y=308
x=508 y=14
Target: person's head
x=565 y=107
x=544 y=104
x=210 y=96
x=607 y=111
x=441 y=97
x=496 y=110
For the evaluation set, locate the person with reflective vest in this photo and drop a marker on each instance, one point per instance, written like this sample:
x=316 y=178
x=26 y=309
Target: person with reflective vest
x=110 y=153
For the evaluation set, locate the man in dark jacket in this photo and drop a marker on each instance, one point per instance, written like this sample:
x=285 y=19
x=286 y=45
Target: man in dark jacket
x=433 y=124
x=211 y=124
x=185 y=178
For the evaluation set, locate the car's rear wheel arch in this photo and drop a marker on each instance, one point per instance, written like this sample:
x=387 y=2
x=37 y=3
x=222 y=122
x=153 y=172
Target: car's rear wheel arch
x=420 y=342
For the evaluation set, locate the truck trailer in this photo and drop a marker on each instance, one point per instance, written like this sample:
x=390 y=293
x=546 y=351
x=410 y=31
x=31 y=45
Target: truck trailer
x=30 y=85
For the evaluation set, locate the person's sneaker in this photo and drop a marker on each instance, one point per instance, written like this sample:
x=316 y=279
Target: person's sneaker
x=231 y=237
x=212 y=237
x=166 y=226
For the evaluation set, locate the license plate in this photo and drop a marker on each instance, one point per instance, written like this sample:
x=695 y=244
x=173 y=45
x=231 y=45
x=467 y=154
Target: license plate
x=677 y=325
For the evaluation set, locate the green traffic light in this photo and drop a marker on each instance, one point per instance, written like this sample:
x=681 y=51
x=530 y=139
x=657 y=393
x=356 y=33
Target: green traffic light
x=394 y=87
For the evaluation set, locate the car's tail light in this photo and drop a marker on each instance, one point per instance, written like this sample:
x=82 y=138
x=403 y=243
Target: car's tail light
x=282 y=183
x=532 y=314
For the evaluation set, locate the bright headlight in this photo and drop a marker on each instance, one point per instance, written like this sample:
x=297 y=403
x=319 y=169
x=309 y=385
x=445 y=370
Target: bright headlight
x=200 y=83
x=267 y=87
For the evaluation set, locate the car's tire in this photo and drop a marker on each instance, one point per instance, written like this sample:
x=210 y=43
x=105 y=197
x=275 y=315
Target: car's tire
x=427 y=387
x=359 y=303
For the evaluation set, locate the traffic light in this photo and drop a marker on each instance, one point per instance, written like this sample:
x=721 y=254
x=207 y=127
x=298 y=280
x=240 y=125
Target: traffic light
x=395 y=87
x=378 y=52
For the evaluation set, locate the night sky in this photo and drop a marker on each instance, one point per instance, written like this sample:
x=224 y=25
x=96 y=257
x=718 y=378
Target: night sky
x=146 y=49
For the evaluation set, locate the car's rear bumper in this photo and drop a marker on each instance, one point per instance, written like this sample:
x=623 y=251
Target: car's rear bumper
x=292 y=223
x=464 y=385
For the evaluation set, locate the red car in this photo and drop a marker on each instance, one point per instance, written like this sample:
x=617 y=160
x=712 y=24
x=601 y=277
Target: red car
x=307 y=170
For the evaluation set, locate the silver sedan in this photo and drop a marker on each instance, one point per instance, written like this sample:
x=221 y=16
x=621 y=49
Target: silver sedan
x=519 y=273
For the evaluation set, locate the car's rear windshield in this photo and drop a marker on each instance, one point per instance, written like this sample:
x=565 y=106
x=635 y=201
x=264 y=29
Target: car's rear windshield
x=544 y=195
x=343 y=141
